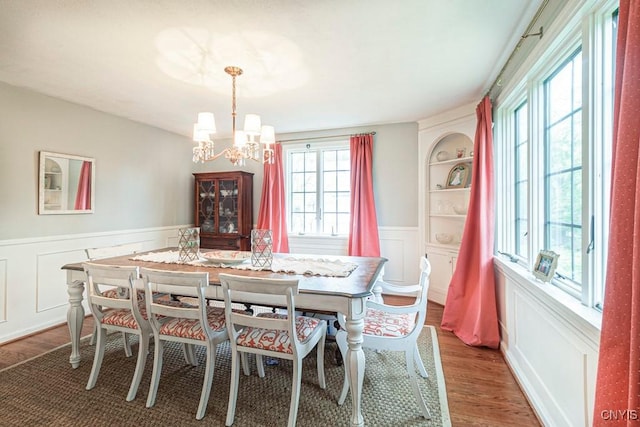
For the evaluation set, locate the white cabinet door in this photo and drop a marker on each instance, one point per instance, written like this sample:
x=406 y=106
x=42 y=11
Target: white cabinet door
x=442 y=265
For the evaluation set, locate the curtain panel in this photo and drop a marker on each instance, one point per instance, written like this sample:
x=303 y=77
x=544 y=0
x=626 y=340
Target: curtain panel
x=470 y=310
x=272 y=211
x=618 y=380
x=363 y=229
x=83 y=196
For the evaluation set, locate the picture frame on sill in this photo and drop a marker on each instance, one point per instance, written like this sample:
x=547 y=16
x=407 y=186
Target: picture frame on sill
x=459 y=176
x=545 y=265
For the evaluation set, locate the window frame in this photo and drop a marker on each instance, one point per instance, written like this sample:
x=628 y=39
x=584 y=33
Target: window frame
x=319 y=148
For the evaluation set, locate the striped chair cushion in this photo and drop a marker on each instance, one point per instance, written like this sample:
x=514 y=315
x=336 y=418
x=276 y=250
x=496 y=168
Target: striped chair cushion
x=385 y=324
x=124 y=318
x=190 y=328
x=276 y=340
x=113 y=293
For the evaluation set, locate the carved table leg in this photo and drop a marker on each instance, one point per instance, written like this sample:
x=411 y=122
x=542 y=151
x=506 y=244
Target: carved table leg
x=355 y=367
x=75 y=318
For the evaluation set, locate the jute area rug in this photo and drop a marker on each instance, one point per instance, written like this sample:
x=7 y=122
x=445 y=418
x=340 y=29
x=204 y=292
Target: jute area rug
x=46 y=391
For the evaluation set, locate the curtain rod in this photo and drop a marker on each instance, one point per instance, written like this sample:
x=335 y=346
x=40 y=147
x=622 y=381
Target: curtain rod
x=324 y=137
x=527 y=33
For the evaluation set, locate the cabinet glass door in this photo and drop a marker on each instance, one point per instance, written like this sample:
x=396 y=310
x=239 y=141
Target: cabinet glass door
x=228 y=206
x=206 y=206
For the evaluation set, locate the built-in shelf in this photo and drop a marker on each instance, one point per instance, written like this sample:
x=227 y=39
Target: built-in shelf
x=452 y=161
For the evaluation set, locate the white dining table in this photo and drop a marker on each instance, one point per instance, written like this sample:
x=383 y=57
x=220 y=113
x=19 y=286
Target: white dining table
x=346 y=295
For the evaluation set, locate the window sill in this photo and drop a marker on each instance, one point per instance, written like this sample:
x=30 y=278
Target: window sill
x=317 y=236
x=584 y=319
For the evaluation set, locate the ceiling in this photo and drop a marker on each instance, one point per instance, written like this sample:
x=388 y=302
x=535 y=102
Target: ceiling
x=308 y=65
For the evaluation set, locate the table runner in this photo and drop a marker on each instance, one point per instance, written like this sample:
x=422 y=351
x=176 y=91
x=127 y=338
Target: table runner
x=306 y=266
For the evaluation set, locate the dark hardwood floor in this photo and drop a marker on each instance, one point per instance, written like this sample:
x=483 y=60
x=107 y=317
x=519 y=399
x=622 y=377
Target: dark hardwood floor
x=480 y=387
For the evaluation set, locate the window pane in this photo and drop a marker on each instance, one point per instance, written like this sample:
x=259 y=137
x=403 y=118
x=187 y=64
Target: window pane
x=310 y=202
x=521 y=181
x=297 y=223
x=330 y=203
x=560 y=153
x=329 y=224
x=344 y=181
x=344 y=202
x=344 y=160
x=329 y=160
x=330 y=181
x=310 y=161
x=297 y=181
x=563 y=168
x=343 y=223
x=297 y=162
x=297 y=202
x=310 y=181
x=561 y=88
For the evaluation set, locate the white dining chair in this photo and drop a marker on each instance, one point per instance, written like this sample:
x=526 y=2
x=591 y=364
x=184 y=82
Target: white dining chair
x=116 y=312
x=284 y=336
x=108 y=252
x=191 y=325
x=395 y=328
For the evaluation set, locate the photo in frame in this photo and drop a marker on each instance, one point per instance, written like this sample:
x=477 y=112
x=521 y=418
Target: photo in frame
x=545 y=265
x=459 y=176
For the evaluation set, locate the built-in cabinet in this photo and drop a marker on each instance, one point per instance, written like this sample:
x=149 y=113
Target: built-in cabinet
x=446 y=152
x=224 y=209
x=448 y=183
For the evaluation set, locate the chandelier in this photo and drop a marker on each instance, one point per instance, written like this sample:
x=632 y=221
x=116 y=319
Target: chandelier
x=245 y=145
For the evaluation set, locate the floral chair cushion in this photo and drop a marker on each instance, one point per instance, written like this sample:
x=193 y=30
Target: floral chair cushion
x=276 y=340
x=381 y=323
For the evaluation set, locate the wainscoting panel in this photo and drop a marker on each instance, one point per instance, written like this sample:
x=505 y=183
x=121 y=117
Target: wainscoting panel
x=398 y=244
x=556 y=369
x=49 y=276
x=3 y=290
x=551 y=349
x=32 y=284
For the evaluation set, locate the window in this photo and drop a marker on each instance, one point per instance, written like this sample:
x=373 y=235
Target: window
x=521 y=138
x=563 y=167
x=318 y=180
x=553 y=142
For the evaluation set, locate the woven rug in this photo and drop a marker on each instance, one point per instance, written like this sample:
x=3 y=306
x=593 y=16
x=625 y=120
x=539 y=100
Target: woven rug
x=46 y=391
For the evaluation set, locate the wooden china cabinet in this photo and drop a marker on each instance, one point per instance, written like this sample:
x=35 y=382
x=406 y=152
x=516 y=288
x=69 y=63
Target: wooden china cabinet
x=224 y=209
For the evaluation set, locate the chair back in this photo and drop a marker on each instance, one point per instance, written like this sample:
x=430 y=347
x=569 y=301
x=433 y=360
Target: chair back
x=101 y=277
x=279 y=292
x=179 y=283
x=423 y=290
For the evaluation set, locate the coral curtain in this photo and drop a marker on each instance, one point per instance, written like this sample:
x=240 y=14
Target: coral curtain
x=618 y=379
x=271 y=214
x=363 y=228
x=83 y=196
x=470 y=310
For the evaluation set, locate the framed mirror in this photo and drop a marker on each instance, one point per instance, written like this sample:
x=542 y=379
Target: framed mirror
x=66 y=184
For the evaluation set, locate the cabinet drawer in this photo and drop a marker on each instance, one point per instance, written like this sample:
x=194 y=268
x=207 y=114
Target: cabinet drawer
x=222 y=243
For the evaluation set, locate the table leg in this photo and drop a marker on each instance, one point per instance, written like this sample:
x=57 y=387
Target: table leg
x=75 y=318
x=355 y=364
